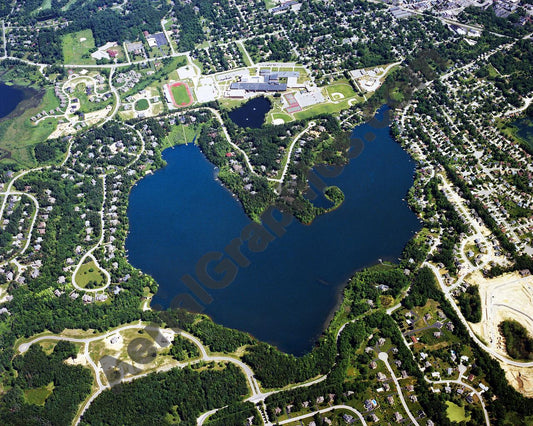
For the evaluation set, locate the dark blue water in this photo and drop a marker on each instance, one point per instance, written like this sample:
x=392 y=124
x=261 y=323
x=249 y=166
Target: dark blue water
x=252 y=113
x=10 y=97
x=525 y=130
x=289 y=290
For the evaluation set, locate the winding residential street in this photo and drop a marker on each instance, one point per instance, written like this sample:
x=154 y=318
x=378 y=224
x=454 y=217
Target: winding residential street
x=89 y=253
x=383 y=356
x=325 y=410
x=478 y=394
x=465 y=323
x=288 y=158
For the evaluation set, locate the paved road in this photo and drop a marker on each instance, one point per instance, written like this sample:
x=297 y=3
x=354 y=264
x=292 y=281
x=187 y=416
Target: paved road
x=257 y=395
x=383 y=356
x=463 y=320
x=200 y=420
x=89 y=253
x=117 y=97
x=325 y=410
x=288 y=162
x=478 y=394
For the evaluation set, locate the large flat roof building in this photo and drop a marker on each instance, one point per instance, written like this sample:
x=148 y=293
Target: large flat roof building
x=259 y=87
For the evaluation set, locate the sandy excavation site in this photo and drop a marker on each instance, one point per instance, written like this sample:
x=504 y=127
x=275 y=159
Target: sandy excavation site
x=509 y=296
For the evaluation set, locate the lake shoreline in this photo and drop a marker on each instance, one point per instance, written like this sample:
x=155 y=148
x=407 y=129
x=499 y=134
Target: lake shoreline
x=31 y=98
x=298 y=302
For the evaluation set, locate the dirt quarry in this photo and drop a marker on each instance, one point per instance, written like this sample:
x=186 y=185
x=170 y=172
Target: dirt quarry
x=520 y=378
x=509 y=296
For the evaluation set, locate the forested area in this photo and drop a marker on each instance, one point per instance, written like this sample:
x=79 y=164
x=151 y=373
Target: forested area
x=423 y=287
x=491 y=22
x=219 y=338
x=183 y=349
x=54 y=388
x=516 y=67
x=191 y=29
x=5 y=8
x=276 y=369
x=470 y=304
x=49 y=43
x=518 y=343
x=450 y=221
x=331 y=147
x=49 y=150
x=106 y=24
x=176 y=396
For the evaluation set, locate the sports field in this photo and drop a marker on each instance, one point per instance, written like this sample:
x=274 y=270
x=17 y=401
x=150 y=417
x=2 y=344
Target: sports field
x=181 y=94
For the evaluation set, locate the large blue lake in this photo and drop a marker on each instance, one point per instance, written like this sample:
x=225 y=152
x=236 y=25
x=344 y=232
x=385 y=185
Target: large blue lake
x=10 y=97
x=289 y=291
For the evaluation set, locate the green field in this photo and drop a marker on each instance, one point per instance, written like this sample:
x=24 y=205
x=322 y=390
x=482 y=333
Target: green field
x=229 y=103
x=70 y=3
x=278 y=116
x=344 y=88
x=456 y=413
x=180 y=134
x=86 y=105
x=325 y=108
x=244 y=56
x=142 y=105
x=47 y=4
x=76 y=51
x=38 y=396
x=19 y=135
x=181 y=97
x=89 y=273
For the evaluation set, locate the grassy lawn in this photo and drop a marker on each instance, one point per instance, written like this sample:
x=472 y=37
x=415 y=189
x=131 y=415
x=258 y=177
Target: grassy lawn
x=492 y=71
x=244 y=55
x=181 y=96
x=76 y=51
x=87 y=273
x=19 y=135
x=278 y=116
x=456 y=413
x=38 y=396
x=158 y=108
x=269 y=4
x=325 y=108
x=142 y=105
x=67 y=6
x=180 y=134
x=331 y=108
x=47 y=4
x=160 y=356
x=229 y=104
x=86 y=105
x=344 y=88
x=519 y=130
